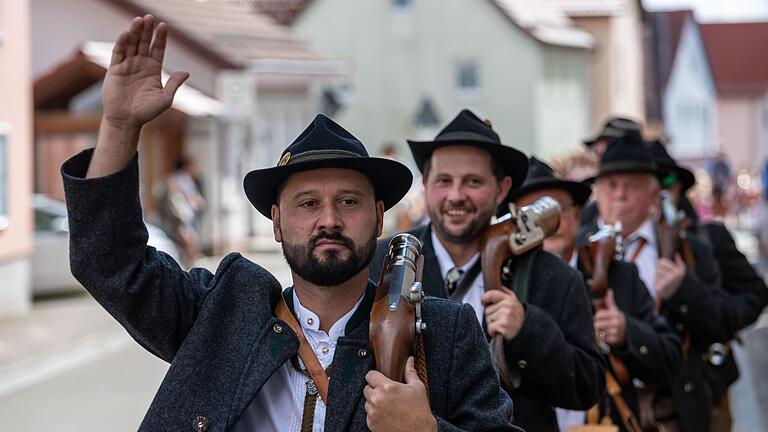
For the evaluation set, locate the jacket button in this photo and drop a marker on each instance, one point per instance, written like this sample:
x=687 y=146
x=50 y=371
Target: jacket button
x=200 y=424
x=643 y=350
x=522 y=364
x=688 y=387
x=679 y=327
x=684 y=309
x=362 y=353
x=277 y=328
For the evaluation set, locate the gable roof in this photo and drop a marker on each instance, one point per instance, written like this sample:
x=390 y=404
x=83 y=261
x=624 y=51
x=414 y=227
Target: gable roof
x=226 y=32
x=87 y=66
x=737 y=55
x=591 y=8
x=545 y=22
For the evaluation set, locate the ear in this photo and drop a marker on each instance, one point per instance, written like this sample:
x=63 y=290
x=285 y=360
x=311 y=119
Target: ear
x=379 y=218
x=504 y=186
x=276 y=223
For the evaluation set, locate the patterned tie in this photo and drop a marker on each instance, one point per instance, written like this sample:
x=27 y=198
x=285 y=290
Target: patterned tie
x=452 y=279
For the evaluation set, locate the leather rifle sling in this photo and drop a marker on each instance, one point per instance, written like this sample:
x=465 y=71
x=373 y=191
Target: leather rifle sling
x=306 y=354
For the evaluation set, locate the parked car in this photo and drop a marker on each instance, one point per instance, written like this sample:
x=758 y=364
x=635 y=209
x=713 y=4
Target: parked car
x=50 y=257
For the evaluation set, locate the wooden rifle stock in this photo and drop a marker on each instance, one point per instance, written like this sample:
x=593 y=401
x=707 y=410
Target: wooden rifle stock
x=395 y=323
x=514 y=234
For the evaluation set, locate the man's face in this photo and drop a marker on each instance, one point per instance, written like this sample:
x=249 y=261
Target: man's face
x=563 y=242
x=629 y=198
x=327 y=221
x=462 y=193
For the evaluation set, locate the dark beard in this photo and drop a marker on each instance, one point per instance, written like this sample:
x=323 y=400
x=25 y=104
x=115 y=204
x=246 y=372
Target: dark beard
x=470 y=233
x=332 y=270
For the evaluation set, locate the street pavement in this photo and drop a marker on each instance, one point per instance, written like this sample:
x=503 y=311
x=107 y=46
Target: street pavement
x=68 y=366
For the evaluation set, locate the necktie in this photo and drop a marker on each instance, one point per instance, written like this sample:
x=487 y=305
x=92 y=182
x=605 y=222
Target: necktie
x=452 y=279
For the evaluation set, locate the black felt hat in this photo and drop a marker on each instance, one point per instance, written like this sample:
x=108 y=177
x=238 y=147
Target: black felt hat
x=624 y=155
x=468 y=129
x=541 y=176
x=325 y=144
x=667 y=166
x=615 y=127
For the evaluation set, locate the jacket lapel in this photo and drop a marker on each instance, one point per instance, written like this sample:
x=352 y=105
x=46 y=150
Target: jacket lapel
x=432 y=280
x=351 y=361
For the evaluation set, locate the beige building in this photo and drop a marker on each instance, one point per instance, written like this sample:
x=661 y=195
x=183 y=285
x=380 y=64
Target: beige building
x=616 y=70
x=16 y=230
x=415 y=64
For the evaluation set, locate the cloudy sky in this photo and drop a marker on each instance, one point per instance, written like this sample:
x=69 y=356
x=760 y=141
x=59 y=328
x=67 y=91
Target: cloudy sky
x=716 y=10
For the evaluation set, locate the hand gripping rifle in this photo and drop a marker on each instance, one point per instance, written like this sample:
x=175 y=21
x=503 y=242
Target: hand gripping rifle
x=396 y=321
x=604 y=247
x=511 y=236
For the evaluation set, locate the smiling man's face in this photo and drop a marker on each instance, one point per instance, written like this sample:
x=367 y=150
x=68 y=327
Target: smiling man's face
x=462 y=192
x=327 y=221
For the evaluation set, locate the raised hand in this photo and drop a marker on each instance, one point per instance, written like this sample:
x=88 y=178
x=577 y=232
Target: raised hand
x=133 y=93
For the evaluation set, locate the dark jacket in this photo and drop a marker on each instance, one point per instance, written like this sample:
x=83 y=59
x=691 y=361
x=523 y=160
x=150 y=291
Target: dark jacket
x=221 y=337
x=554 y=351
x=653 y=352
x=746 y=297
x=695 y=312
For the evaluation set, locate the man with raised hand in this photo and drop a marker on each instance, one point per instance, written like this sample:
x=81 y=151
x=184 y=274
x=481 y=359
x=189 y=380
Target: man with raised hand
x=232 y=337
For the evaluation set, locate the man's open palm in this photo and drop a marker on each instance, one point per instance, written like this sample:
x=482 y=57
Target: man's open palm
x=133 y=93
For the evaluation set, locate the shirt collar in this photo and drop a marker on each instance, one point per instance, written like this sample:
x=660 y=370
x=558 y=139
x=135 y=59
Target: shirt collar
x=445 y=260
x=309 y=320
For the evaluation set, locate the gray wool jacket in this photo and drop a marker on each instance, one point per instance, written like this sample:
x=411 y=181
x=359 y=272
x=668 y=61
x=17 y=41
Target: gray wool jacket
x=219 y=333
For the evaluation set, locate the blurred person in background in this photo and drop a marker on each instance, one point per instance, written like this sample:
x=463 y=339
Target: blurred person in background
x=181 y=206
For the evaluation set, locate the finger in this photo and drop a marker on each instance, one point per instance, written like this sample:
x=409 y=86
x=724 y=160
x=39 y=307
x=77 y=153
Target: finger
x=174 y=82
x=134 y=33
x=494 y=308
x=158 y=45
x=368 y=392
x=495 y=296
x=118 y=51
x=495 y=328
x=679 y=261
x=146 y=35
x=375 y=379
x=411 y=376
x=610 y=301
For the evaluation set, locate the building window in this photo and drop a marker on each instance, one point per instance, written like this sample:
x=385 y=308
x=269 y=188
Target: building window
x=4 y=189
x=467 y=78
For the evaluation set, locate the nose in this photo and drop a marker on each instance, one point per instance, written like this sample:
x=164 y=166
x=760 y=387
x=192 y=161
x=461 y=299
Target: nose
x=455 y=194
x=329 y=219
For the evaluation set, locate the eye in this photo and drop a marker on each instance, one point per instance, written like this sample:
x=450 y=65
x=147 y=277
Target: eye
x=308 y=203
x=475 y=182
x=348 y=202
x=442 y=181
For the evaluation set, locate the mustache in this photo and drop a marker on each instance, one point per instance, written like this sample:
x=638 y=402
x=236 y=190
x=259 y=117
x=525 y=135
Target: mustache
x=333 y=236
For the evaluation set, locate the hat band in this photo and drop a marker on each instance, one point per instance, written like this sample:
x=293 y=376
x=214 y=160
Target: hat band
x=315 y=155
x=465 y=136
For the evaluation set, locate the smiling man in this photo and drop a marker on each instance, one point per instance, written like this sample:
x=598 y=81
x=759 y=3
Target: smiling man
x=232 y=337
x=467 y=173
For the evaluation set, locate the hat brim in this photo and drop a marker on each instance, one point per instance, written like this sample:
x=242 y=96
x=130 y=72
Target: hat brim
x=623 y=167
x=685 y=176
x=513 y=161
x=579 y=191
x=391 y=180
